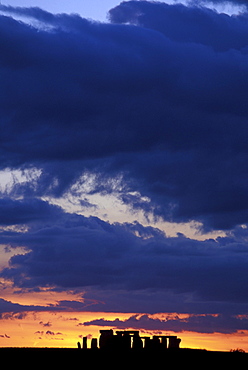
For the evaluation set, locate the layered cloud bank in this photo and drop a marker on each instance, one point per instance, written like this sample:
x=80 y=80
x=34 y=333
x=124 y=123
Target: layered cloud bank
x=159 y=100
x=69 y=251
x=151 y=106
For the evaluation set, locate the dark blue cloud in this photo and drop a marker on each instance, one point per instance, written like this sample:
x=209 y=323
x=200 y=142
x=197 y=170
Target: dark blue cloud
x=10 y=310
x=75 y=252
x=30 y=210
x=185 y=24
x=197 y=323
x=159 y=100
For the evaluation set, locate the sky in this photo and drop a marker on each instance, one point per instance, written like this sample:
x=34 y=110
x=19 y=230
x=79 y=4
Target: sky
x=95 y=9
x=123 y=171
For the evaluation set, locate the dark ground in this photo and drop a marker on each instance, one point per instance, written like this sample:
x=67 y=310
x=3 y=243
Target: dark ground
x=75 y=358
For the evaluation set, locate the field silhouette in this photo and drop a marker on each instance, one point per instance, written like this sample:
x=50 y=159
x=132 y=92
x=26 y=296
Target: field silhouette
x=125 y=349
x=97 y=358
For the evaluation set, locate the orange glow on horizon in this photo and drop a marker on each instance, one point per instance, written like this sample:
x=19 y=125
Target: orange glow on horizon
x=65 y=329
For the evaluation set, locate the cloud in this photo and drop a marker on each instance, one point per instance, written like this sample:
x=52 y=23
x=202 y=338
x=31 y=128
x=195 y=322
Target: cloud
x=157 y=97
x=49 y=332
x=197 y=323
x=185 y=24
x=4 y=336
x=7 y=306
x=16 y=311
x=51 y=335
x=47 y=324
x=75 y=252
x=10 y=310
x=24 y=212
x=224 y=2
x=151 y=106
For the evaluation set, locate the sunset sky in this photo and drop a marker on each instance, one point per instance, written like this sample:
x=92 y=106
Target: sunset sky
x=124 y=171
